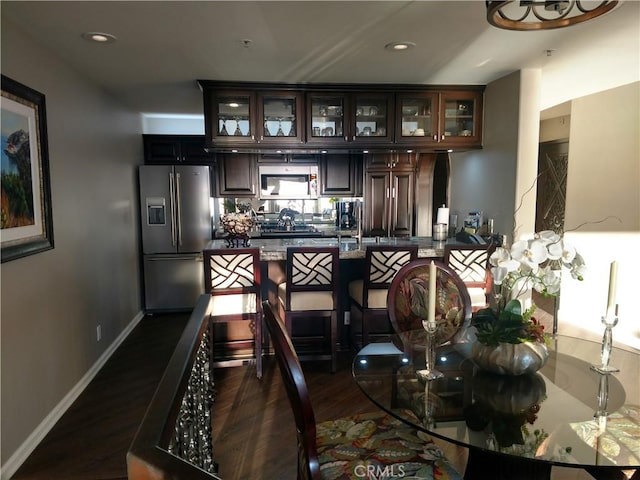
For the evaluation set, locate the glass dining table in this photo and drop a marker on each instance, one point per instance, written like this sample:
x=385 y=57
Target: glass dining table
x=516 y=427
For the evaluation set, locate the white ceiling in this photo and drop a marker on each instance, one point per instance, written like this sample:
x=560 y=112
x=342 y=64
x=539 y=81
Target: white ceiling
x=164 y=47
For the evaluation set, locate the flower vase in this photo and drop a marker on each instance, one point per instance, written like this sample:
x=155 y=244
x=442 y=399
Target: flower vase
x=510 y=358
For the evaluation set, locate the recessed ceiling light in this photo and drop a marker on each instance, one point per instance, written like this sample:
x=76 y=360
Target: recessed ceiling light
x=99 y=37
x=399 y=46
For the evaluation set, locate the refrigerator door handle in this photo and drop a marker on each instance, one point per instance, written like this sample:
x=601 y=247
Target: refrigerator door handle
x=172 y=258
x=178 y=212
x=173 y=209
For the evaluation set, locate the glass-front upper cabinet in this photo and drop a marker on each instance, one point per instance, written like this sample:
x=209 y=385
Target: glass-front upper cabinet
x=232 y=117
x=460 y=117
x=417 y=118
x=372 y=116
x=281 y=117
x=325 y=118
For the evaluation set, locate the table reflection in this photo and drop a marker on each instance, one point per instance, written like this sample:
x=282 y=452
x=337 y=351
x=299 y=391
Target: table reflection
x=566 y=414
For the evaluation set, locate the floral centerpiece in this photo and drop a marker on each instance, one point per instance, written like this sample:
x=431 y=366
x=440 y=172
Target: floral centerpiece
x=237 y=225
x=510 y=339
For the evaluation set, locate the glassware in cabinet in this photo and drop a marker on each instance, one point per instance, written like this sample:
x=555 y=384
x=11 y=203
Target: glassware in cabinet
x=326 y=114
x=371 y=117
x=280 y=114
x=417 y=115
x=233 y=117
x=460 y=117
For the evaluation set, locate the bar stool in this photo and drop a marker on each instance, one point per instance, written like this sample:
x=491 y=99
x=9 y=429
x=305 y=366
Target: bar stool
x=471 y=263
x=368 y=296
x=232 y=278
x=311 y=291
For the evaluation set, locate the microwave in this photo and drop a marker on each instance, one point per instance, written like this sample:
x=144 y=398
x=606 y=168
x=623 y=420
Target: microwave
x=289 y=182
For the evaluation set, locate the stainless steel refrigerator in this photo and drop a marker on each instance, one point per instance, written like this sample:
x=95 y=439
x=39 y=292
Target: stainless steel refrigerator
x=176 y=225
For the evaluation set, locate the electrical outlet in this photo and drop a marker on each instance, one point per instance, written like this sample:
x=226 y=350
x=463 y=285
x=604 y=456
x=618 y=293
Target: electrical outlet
x=347 y=318
x=99 y=333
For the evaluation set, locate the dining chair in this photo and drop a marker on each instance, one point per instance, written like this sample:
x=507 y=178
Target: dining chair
x=408 y=299
x=311 y=291
x=351 y=447
x=232 y=278
x=368 y=295
x=471 y=263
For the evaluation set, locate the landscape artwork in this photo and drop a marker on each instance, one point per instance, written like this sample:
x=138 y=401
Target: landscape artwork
x=25 y=207
x=17 y=188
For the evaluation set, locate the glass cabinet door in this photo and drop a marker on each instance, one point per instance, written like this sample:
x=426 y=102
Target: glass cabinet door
x=417 y=116
x=372 y=115
x=280 y=114
x=460 y=117
x=326 y=113
x=233 y=112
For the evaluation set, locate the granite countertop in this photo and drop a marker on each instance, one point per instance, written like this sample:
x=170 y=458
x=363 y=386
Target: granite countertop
x=350 y=248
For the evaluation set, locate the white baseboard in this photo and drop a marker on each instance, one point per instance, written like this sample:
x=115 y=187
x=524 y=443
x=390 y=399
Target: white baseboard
x=29 y=445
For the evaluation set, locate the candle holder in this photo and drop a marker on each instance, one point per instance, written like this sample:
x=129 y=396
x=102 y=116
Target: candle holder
x=610 y=320
x=430 y=372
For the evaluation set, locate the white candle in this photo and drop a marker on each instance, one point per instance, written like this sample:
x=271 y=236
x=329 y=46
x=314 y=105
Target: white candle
x=431 y=312
x=613 y=279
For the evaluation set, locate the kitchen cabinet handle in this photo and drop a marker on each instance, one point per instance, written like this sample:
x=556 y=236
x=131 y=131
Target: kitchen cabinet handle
x=435 y=137
x=393 y=192
x=178 y=210
x=172 y=209
x=442 y=137
x=387 y=192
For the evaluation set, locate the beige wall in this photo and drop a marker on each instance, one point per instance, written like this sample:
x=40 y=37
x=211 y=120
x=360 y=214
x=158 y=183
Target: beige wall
x=53 y=301
x=603 y=181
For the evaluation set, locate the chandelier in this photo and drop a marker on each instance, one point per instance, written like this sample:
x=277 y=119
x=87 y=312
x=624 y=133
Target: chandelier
x=543 y=15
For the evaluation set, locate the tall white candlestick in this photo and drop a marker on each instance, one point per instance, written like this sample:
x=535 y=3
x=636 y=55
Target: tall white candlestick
x=613 y=279
x=431 y=312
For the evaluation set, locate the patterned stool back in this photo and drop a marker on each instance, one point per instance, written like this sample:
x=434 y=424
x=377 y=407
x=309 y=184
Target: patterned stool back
x=312 y=268
x=230 y=271
x=470 y=262
x=385 y=261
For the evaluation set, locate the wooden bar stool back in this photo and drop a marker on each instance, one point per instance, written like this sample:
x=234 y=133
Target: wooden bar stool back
x=232 y=278
x=309 y=292
x=368 y=296
x=471 y=263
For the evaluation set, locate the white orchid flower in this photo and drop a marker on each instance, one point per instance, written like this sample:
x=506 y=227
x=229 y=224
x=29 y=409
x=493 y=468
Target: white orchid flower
x=569 y=254
x=577 y=267
x=531 y=253
x=499 y=255
x=499 y=274
x=550 y=280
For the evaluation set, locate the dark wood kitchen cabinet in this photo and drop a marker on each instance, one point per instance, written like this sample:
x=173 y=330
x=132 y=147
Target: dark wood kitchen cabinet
x=263 y=117
x=250 y=117
x=341 y=175
x=445 y=119
x=389 y=193
x=174 y=149
x=349 y=118
x=236 y=174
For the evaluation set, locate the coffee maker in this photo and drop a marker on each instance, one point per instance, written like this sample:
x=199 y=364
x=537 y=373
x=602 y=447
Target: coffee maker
x=345 y=215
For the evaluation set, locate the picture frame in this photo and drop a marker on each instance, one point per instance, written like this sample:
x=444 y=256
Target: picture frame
x=26 y=221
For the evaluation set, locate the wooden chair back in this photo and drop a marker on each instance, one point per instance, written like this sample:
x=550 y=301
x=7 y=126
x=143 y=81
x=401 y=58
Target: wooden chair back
x=408 y=300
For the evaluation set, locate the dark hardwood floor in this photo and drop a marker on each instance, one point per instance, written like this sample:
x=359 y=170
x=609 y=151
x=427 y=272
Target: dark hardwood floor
x=253 y=433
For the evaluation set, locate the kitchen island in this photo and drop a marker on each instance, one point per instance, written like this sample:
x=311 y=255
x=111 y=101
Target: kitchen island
x=273 y=254
x=350 y=247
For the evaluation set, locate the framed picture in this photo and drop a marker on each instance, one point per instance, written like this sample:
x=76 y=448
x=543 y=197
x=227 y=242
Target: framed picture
x=25 y=205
